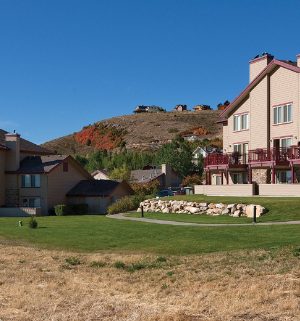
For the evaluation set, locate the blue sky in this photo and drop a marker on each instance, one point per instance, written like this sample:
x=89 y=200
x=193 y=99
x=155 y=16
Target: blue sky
x=67 y=63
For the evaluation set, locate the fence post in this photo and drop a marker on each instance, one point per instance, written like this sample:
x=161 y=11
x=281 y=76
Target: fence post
x=254 y=214
x=142 y=210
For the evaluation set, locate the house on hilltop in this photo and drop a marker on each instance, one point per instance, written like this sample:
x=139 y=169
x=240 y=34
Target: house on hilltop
x=180 y=108
x=261 y=133
x=201 y=107
x=148 y=109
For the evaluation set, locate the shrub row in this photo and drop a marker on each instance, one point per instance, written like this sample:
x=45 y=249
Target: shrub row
x=125 y=204
x=77 y=209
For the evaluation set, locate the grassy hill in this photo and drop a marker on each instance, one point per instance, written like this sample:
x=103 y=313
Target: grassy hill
x=145 y=131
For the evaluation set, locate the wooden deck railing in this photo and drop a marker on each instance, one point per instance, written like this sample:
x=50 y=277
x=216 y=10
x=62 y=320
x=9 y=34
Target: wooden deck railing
x=215 y=159
x=262 y=155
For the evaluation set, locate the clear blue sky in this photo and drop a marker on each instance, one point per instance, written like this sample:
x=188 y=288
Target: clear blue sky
x=67 y=63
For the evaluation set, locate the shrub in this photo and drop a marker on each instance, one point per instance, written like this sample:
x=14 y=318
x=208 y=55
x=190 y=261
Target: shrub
x=33 y=223
x=192 y=180
x=73 y=260
x=125 y=204
x=119 y=265
x=161 y=259
x=76 y=209
x=97 y=264
x=150 y=188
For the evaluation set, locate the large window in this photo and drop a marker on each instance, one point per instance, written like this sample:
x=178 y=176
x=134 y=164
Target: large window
x=283 y=177
x=31 y=202
x=31 y=180
x=241 y=122
x=282 y=114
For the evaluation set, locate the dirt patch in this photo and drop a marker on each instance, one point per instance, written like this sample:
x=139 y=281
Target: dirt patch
x=53 y=285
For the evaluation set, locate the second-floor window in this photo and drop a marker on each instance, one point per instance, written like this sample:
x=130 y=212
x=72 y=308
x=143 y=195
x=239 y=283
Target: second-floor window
x=282 y=114
x=241 y=122
x=31 y=180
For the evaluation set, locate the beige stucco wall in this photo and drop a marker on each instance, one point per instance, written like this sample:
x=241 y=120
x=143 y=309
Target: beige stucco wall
x=225 y=190
x=279 y=189
x=60 y=182
x=284 y=88
x=2 y=178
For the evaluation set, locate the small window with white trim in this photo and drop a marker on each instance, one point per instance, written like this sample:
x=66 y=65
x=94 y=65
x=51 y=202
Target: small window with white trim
x=282 y=114
x=241 y=122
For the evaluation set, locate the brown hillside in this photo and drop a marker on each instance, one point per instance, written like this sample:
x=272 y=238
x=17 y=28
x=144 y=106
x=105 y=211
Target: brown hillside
x=145 y=131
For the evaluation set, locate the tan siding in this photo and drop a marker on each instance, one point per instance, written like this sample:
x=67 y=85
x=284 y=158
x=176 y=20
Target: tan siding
x=2 y=178
x=284 y=87
x=257 y=67
x=60 y=182
x=240 y=136
x=259 y=135
x=40 y=192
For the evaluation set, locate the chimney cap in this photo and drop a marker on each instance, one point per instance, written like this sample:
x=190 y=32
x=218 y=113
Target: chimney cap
x=262 y=56
x=14 y=134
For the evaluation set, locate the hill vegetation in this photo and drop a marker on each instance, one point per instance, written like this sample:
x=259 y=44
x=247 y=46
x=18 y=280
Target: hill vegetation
x=140 y=132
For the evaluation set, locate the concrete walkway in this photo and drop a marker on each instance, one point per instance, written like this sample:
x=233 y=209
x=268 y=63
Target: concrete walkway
x=162 y=222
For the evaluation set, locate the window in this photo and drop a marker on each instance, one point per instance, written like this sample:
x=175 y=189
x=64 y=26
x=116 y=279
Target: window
x=283 y=177
x=282 y=114
x=239 y=178
x=31 y=202
x=31 y=180
x=241 y=122
x=242 y=150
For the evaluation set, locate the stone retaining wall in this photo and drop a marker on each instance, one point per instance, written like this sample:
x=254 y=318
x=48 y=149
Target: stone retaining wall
x=215 y=209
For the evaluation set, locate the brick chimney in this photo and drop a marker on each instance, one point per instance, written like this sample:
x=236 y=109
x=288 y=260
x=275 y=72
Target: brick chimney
x=298 y=60
x=12 y=141
x=258 y=64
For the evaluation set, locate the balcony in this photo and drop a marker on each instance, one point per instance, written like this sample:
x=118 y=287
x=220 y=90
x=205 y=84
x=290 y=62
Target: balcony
x=294 y=154
x=219 y=160
x=269 y=156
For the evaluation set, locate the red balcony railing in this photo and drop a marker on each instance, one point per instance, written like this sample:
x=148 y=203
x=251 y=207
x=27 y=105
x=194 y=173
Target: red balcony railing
x=216 y=159
x=294 y=153
x=263 y=155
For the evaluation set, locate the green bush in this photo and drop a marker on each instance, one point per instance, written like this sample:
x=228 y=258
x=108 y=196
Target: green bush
x=125 y=204
x=77 y=209
x=73 y=260
x=33 y=223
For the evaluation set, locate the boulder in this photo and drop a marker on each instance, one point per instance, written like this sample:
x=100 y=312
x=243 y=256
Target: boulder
x=166 y=210
x=192 y=209
x=237 y=213
x=260 y=210
x=226 y=211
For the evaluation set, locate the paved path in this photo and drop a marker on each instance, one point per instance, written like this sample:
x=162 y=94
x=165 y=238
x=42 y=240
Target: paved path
x=162 y=222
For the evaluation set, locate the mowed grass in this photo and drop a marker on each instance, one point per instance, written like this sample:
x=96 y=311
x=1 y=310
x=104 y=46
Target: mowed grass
x=98 y=233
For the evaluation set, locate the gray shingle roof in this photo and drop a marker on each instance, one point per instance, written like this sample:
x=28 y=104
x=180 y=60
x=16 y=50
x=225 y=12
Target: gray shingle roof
x=40 y=164
x=94 y=188
x=145 y=175
x=25 y=145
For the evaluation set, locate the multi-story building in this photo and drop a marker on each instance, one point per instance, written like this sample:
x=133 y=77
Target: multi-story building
x=32 y=179
x=261 y=128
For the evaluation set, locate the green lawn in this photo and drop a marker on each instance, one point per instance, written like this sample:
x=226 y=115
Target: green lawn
x=98 y=233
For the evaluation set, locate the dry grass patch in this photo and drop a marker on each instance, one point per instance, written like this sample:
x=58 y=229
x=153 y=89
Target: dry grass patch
x=53 y=285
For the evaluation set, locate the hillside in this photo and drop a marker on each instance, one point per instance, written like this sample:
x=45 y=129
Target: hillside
x=144 y=131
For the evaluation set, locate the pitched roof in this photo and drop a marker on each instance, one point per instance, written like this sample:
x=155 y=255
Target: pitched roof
x=145 y=175
x=269 y=68
x=100 y=171
x=25 y=145
x=94 y=188
x=40 y=164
